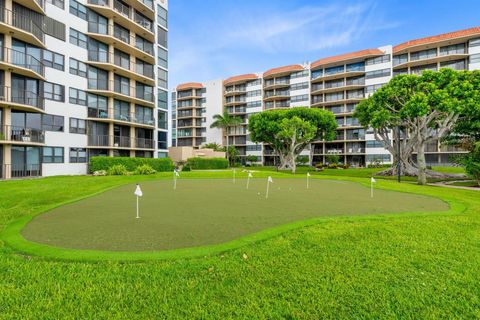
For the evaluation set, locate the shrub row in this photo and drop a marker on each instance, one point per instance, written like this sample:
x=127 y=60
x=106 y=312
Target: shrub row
x=207 y=163
x=130 y=164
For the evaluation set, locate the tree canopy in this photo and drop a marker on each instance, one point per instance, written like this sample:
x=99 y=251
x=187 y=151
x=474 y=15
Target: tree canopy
x=425 y=107
x=289 y=131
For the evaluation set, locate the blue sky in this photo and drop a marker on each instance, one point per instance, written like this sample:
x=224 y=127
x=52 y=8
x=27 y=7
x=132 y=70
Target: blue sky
x=214 y=39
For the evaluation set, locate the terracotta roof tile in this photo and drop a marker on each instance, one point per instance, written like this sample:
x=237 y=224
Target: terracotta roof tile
x=292 y=68
x=437 y=38
x=240 y=78
x=189 y=85
x=347 y=56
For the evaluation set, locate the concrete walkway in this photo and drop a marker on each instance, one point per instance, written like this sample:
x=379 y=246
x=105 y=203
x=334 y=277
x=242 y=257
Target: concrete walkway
x=446 y=185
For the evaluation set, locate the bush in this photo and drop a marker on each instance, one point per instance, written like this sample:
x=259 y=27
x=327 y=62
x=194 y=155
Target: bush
x=332 y=166
x=319 y=165
x=332 y=158
x=472 y=163
x=207 y=163
x=131 y=164
x=186 y=168
x=117 y=170
x=346 y=166
x=145 y=170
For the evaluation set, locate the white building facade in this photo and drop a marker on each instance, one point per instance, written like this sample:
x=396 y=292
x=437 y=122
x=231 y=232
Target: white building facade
x=336 y=84
x=80 y=79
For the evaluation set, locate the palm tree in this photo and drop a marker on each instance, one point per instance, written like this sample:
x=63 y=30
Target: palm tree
x=225 y=121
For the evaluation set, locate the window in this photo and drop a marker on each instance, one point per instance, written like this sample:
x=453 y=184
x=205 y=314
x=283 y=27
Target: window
x=97 y=51
x=399 y=59
x=78 y=9
x=162 y=56
x=162 y=16
x=300 y=98
x=378 y=157
x=77 y=38
x=162 y=37
x=254 y=104
x=97 y=102
x=121 y=59
x=334 y=70
x=254 y=83
x=254 y=93
x=97 y=79
x=53 y=155
x=299 y=86
x=53 y=60
x=455 y=64
x=453 y=49
x=121 y=33
x=121 y=110
x=475 y=58
x=377 y=74
x=255 y=147
x=78 y=155
x=162 y=78
x=53 y=91
x=162 y=140
x=52 y=123
x=424 y=54
x=373 y=88
x=144 y=68
x=143 y=21
x=375 y=144
x=78 y=68
x=57 y=3
x=162 y=120
x=77 y=96
x=359 y=66
x=377 y=60
x=144 y=115
x=474 y=42
x=299 y=74
x=97 y=23
x=144 y=92
x=78 y=126
x=144 y=45
x=121 y=85
x=162 y=99
x=316 y=74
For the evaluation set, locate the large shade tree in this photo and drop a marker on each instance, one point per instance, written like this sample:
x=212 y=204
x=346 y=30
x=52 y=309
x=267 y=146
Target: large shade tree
x=290 y=131
x=424 y=107
x=224 y=122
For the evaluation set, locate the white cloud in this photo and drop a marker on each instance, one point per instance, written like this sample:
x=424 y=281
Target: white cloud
x=216 y=45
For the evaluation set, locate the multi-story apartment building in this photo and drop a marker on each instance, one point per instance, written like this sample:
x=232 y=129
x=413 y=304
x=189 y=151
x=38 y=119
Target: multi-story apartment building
x=80 y=79
x=338 y=84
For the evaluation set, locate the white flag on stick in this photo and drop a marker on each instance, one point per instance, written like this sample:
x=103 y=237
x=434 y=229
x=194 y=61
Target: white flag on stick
x=138 y=193
x=372 y=181
x=248 y=178
x=175 y=175
x=269 y=180
x=308 y=178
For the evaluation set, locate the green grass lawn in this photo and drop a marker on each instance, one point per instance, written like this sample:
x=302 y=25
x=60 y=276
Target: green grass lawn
x=469 y=183
x=207 y=212
x=377 y=266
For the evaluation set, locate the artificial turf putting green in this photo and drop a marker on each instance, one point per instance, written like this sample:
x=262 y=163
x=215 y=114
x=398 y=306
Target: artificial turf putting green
x=205 y=212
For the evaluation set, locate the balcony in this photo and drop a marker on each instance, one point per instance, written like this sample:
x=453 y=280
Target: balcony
x=21 y=99
x=21 y=27
x=21 y=135
x=234 y=90
x=276 y=83
x=128 y=119
x=338 y=74
x=119 y=142
x=125 y=16
x=432 y=58
x=110 y=62
x=21 y=63
x=122 y=91
x=19 y=170
x=277 y=95
x=126 y=42
x=231 y=101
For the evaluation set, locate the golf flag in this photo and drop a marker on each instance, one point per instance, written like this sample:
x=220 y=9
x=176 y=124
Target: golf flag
x=176 y=173
x=372 y=181
x=248 y=178
x=308 y=176
x=269 y=180
x=138 y=193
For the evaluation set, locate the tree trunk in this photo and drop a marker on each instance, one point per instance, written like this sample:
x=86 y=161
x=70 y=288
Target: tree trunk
x=422 y=165
x=226 y=151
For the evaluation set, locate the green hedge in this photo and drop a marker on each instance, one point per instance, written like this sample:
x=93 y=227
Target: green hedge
x=104 y=163
x=207 y=163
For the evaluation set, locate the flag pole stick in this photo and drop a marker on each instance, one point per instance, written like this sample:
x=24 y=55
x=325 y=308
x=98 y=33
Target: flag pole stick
x=307 y=180
x=266 y=194
x=138 y=216
x=233 y=175
x=371 y=189
x=174 y=181
x=248 y=181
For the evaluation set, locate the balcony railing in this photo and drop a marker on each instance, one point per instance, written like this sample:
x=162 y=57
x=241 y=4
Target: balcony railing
x=104 y=57
x=121 y=88
x=21 y=21
x=127 y=117
x=120 y=142
x=22 y=60
x=23 y=97
x=269 y=94
x=21 y=134
x=110 y=30
x=20 y=170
